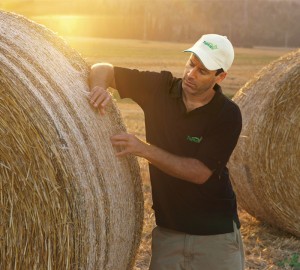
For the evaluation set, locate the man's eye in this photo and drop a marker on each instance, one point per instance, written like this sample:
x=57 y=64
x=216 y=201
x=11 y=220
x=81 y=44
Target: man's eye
x=202 y=71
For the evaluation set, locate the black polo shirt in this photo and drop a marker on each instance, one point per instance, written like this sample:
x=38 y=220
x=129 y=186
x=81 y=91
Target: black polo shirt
x=208 y=133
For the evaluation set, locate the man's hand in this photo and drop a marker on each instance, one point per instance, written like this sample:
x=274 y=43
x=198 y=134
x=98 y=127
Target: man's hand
x=188 y=169
x=99 y=98
x=129 y=144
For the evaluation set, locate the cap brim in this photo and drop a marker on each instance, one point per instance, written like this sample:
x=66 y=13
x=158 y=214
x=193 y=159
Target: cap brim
x=207 y=61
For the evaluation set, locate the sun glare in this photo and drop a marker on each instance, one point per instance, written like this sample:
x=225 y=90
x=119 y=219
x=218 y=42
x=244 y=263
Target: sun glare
x=67 y=25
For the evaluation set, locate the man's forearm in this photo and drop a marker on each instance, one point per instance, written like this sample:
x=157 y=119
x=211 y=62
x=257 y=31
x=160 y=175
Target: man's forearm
x=102 y=75
x=188 y=169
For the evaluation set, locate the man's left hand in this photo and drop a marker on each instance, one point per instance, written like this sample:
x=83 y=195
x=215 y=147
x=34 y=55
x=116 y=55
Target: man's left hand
x=129 y=144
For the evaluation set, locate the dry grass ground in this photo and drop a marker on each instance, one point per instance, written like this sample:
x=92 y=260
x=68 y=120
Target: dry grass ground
x=265 y=246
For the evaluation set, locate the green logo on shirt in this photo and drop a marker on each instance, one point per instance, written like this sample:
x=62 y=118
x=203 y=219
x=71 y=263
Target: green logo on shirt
x=194 y=139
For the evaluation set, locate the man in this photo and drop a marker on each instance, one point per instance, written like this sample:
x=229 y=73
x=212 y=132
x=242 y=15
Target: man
x=191 y=131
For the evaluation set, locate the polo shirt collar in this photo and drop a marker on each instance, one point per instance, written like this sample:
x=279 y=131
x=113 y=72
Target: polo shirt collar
x=212 y=107
x=176 y=89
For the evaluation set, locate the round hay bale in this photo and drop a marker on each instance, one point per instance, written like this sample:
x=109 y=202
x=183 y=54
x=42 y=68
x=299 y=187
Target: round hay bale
x=265 y=165
x=66 y=201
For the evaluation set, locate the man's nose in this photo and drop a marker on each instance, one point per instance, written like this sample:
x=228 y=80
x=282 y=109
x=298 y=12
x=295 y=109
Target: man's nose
x=192 y=72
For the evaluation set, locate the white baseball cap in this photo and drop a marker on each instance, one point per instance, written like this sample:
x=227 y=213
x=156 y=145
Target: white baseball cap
x=214 y=51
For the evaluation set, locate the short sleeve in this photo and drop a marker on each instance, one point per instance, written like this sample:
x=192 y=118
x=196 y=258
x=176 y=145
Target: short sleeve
x=140 y=86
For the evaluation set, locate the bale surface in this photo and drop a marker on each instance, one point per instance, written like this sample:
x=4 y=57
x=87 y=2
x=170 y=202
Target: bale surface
x=265 y=166
x=66 y=201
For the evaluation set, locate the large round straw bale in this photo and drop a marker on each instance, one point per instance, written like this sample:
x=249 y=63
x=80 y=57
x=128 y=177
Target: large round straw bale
x=265 y=166
x=66 y=201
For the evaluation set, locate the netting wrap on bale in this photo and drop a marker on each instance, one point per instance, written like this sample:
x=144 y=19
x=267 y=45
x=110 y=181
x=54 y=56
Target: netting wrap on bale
x=265 y=166
x=66 y=201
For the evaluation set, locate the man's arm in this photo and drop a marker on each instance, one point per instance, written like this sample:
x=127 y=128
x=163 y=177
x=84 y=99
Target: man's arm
x=188 y=169
x=101 y=77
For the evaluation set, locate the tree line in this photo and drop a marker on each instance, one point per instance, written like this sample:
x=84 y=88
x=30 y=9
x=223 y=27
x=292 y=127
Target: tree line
x=246 y=22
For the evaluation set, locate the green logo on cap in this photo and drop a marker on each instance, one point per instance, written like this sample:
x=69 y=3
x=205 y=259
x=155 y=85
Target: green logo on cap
x=210 y=45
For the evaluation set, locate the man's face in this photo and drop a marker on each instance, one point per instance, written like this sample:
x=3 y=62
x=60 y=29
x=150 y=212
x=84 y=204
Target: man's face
x=197 y=79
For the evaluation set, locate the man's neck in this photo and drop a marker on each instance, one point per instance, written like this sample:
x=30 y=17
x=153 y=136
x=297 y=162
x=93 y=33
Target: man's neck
x=193 y=101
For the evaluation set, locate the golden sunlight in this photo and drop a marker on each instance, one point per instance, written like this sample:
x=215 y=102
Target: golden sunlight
x=66 y=25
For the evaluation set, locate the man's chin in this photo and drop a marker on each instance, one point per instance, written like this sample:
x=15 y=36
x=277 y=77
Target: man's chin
x=187 y=88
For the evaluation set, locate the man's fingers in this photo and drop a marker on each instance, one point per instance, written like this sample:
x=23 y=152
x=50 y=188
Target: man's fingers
x=122 y=137
x=118 y=143
x=104 y=103
x=95 y=95
x=95 y=91
x=121 y=145
x=106 y=100
x=102 y=110
x=127 y=144
x=122 y=141
x=122 y=153
x=99 y=98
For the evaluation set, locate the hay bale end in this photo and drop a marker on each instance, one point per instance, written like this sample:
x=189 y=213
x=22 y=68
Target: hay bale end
x=66 y=201
x=265 y=165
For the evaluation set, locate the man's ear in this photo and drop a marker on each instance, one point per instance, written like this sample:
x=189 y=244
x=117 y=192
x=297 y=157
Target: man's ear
x=221 y=77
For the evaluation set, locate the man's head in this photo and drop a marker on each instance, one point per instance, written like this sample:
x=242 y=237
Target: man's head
x=212 y=56
x=214 y=51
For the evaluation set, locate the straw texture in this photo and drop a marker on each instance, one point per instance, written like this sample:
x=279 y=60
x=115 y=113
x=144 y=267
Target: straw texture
x=66 y=201
x=265 y=166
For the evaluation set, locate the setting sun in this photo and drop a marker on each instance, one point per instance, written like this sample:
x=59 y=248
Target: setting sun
x=67 y=25
x=73 y=18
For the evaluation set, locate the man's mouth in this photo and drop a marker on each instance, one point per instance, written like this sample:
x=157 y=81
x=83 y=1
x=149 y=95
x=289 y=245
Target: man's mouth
x=189 y=83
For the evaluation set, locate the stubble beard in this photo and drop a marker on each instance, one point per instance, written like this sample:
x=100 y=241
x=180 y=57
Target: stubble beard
x=194 y=90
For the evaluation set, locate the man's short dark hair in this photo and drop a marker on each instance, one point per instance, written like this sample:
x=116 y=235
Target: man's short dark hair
x=219 y=71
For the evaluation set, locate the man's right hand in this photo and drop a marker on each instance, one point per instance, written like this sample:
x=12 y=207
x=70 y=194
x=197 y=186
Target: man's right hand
x=99 y=97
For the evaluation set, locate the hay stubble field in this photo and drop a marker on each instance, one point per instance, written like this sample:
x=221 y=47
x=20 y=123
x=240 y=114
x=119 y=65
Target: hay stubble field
x=265 y=247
